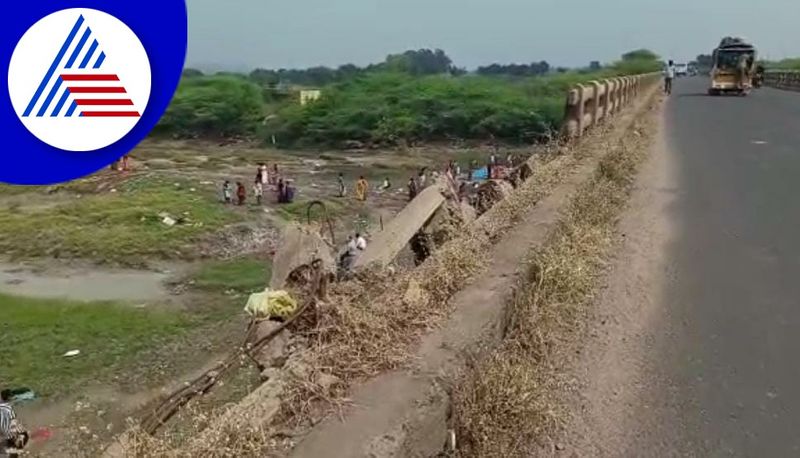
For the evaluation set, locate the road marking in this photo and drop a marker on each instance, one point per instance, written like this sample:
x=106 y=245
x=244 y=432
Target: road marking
x=759 y=142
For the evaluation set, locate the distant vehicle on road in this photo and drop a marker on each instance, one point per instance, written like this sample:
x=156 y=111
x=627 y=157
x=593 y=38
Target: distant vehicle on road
x=734 y=67
x=681 y=70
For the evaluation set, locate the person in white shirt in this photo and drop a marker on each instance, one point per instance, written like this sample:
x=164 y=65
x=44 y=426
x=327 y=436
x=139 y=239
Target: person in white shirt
x=264 y=175
x=258 y=191
x=669 y=75
x=361 y=242
x=348 y=256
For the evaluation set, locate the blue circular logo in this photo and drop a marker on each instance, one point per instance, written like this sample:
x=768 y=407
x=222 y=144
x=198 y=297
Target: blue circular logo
x=87 y=81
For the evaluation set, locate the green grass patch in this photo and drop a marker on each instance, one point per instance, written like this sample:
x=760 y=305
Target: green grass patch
x=122 y=227
x=13 y=189
x=245 y=275
x=297 y=210
x=35 y=333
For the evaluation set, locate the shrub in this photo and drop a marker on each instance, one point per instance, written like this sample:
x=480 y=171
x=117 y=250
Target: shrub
x=785 y=64
x=390 y=108
x=213 y=106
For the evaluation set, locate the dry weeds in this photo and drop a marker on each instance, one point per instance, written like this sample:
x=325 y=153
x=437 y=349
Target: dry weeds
x=507 y=402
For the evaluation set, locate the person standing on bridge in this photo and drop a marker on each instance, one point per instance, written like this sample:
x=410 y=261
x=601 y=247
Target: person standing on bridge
x=669 y=75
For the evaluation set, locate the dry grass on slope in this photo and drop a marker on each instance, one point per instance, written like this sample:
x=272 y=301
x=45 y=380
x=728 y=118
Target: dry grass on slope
x=507 y=401
x=369 y=328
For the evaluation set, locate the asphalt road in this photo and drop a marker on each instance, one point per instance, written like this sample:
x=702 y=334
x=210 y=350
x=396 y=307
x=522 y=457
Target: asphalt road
x=734 y=281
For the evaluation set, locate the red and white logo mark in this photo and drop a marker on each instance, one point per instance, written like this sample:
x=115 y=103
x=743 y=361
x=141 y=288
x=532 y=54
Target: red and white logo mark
x=84 y=90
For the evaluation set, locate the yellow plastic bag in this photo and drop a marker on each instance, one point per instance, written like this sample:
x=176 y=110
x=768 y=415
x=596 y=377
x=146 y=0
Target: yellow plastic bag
x=271 y=304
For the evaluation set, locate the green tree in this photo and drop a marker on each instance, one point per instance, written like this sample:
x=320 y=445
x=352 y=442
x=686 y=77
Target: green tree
x=388 y=108
x=705 y=60
x=213 y=106
x=191 y=73
x=637 y=62
x=264 y=77
x=640 y=54
x=419 y=62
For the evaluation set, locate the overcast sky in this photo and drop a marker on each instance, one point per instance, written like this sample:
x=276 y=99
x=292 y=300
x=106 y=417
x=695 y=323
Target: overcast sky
x=245 y=34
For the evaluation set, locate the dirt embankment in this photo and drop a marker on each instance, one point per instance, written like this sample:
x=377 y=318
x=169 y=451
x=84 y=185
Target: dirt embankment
x=512 y=400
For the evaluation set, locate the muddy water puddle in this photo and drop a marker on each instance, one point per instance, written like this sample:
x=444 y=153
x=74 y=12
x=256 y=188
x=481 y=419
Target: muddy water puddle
x=83 y=283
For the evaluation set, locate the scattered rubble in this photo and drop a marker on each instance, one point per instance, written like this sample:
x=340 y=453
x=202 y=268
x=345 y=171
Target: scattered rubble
x=491 y=192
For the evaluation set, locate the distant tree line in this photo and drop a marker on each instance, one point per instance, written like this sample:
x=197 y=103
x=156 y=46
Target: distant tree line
x=413 y=96
x=784 y=64
x=413 y=62
x=533 y=69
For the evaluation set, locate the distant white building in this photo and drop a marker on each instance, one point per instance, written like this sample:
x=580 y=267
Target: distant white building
x=309 y=95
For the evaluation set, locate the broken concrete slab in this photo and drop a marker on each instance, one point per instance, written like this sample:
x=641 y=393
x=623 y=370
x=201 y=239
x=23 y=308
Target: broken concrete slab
x=251 y=416
x=299 y=247
x=387 y=244
x=275 y=353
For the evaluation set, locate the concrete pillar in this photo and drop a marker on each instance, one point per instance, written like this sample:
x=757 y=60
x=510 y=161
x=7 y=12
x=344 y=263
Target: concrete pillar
x=581 y=109
x=595 y=102
x=571 y=113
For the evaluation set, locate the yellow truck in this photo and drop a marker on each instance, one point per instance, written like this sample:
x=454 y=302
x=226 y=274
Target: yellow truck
x=734 y=67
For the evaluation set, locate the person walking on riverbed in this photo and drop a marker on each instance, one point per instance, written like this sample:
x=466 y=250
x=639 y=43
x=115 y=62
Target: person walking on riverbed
x=342 y=189
x=362 y=187
x=412 y=188
x=258 y=191
x=241 y=193
x=227 y=192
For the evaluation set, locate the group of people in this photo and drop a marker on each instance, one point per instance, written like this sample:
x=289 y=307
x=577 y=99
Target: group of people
x=120 y=165
x=361 y=187
x=285 y=190
x=265 y=177
x=453 y=171
x=355 y=246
